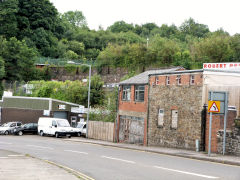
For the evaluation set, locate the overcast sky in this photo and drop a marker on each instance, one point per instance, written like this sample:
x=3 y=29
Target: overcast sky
x=214 y=13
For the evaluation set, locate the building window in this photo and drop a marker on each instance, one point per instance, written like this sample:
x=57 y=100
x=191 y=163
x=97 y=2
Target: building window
x=157 y=80
x=126 y=95
x=167 y=80
x=192 y=80
x=160 y=117
x=139 y=93
x=174 y=119
x=179 y=80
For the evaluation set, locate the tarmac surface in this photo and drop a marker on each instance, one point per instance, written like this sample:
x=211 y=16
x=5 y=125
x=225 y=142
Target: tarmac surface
x=24 y=167
x=218 y=158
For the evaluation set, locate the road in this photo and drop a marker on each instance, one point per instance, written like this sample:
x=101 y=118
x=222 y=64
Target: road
x=109 y=163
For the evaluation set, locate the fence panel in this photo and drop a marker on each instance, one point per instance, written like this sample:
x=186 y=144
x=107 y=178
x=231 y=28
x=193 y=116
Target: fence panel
x=101 y=130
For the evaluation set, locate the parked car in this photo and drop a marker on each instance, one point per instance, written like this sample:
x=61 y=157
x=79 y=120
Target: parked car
x=82 y=127
x=30 y=128
x=54 y=127
x=7 y=128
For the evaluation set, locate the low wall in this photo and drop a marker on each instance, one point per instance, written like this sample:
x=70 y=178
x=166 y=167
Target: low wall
x=101 y=130
x=232 y=141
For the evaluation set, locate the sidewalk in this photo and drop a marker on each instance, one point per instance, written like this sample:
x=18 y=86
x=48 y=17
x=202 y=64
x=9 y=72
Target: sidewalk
x=218 y=158
x=16 y=166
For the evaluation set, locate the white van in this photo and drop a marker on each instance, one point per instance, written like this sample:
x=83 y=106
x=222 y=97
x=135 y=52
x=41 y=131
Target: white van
x=54 y=127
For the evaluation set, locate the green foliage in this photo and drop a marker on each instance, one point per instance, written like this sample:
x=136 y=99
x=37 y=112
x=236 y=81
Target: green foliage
x=19 y=59
x=8 y=18
x=75 y=18
x=107 y=112
x=121 y=26
x=70 y=68
x=215 y=48
x=70 y=55
x=71 y=91
x=2 y=68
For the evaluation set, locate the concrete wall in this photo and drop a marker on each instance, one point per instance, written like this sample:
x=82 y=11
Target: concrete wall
x=187 y=100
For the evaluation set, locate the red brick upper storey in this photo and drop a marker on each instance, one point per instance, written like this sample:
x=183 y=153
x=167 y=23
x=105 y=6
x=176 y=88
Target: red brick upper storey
x=132 y=104
x=177 y=79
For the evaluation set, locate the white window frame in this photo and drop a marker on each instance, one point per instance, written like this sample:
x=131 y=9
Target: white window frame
x=126 y=93
x=139 y=91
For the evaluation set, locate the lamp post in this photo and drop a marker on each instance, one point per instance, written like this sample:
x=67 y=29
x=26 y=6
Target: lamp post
x=89 y=89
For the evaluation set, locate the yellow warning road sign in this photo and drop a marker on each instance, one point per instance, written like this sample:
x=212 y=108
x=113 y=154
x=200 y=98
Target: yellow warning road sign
x=214 y=106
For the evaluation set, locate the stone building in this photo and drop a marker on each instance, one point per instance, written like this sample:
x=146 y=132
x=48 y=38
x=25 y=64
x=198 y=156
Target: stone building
x=133 y=107
x=175 y=107
x=174 y=110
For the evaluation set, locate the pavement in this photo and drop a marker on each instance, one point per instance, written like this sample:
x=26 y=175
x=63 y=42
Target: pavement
x=217 y=158
x=24 y=167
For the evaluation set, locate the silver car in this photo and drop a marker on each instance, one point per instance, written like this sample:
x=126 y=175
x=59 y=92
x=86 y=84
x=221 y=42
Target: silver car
x=7 y=128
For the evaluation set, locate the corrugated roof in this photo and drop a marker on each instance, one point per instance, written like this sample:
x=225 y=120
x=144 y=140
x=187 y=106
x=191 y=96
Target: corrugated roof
x=143 y=77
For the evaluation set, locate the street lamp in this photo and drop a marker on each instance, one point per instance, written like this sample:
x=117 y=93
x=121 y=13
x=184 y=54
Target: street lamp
x=89 y=89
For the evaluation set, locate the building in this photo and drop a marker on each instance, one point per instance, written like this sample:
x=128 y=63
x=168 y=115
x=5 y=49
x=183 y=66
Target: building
x=172 y=111
x=133 y=107
x=29 y=109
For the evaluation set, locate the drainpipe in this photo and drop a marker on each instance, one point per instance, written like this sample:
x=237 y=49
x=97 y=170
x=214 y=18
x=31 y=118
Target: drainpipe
x=116 y=121
x=148 y=110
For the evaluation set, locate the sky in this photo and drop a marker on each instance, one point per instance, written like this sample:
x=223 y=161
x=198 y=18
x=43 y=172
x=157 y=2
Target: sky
x=214 y=13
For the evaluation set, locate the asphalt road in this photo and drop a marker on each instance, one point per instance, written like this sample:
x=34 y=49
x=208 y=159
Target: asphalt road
x=108 y=163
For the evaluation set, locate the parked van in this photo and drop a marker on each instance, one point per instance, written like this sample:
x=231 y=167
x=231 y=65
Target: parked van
x=54 y=127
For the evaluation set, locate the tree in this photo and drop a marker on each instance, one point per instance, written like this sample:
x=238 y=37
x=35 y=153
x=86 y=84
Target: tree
x=120 y=26
x=75 y=18
x=162 y=50
x=215 y=48
x=190 y=27
x=8 y=18
x=39 y=21
x=19 y=59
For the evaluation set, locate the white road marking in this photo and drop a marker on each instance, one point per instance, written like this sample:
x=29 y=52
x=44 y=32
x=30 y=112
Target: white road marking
x=76 y=152
x=15 y=155
x=3 y=157
x=189 y=173
x=123 y=160
x=5 y=143
x=43 y=147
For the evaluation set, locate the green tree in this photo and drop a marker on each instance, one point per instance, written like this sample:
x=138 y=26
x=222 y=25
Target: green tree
x=162 y=50
x=8 y=18
x=190 y=27
x=215 y=48
x=19 y=59
x=120 y=26
x=75 y=18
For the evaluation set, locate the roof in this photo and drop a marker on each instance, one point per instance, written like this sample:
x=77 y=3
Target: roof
x=178 y=72
x=40 y=98
x=143 y=77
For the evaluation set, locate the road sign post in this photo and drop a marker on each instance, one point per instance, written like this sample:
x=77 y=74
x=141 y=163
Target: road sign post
x=210 y=130
x=217 y=104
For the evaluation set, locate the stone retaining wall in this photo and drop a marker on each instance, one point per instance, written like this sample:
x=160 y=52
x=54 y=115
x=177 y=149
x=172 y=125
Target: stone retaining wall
x=232 y=141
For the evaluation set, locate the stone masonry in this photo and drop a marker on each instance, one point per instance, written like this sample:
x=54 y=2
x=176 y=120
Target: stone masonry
x=187 y=100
